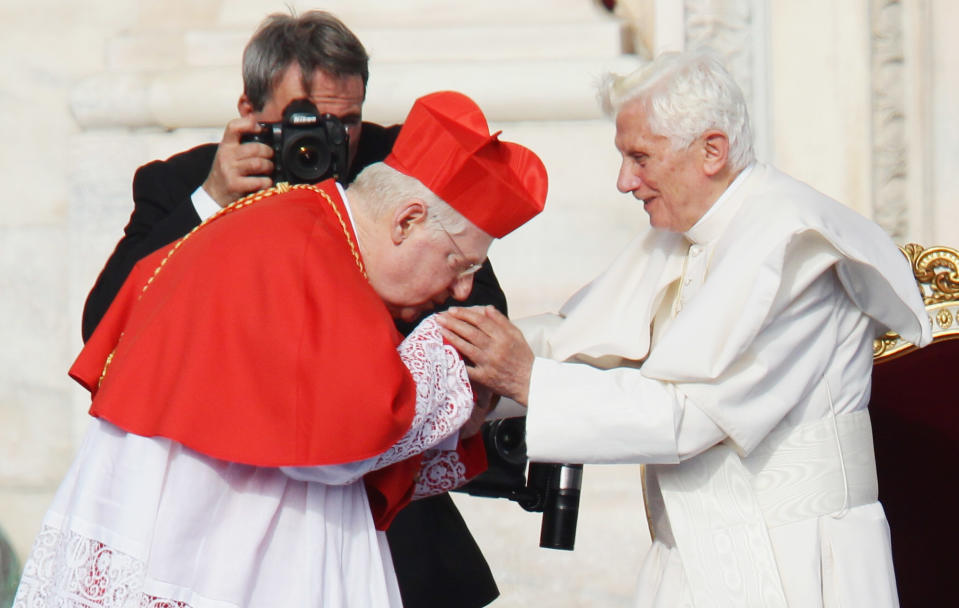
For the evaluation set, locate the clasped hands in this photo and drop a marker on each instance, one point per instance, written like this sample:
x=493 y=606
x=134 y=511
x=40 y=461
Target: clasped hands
x=497 y=354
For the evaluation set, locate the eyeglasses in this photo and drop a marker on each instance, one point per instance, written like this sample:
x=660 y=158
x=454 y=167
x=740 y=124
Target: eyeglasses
x=471 y=267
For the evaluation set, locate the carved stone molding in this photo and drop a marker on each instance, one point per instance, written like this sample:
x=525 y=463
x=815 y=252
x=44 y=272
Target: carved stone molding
x=726 y=27
x=889 y=153
x=737 y=31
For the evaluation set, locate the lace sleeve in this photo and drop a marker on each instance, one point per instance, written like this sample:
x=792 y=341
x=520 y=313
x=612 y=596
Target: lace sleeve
x=444 y=399
x=440 y=472
x=444 y=470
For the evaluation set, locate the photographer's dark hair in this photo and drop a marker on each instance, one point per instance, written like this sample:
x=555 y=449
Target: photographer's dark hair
x=315 y=40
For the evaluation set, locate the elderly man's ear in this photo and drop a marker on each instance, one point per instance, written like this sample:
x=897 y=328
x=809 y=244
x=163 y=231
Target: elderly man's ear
x=406 y=217
x=715 y=152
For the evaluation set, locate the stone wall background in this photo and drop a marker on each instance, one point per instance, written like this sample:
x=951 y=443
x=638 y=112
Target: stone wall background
x=858 y=98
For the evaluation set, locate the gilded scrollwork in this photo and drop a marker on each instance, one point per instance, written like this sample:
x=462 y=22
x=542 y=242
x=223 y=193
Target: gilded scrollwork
x=936 y=270
x=937 y=276
x=885 y=344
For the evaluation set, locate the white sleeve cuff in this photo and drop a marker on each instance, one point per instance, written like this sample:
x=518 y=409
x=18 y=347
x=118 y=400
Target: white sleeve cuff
x=579 y=413
x=204 y=204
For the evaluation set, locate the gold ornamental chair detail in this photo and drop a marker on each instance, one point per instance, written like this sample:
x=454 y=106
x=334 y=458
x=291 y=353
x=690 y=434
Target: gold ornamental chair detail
x=937 y=273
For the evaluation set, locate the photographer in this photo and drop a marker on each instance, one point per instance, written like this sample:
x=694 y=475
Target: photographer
x=313 y=56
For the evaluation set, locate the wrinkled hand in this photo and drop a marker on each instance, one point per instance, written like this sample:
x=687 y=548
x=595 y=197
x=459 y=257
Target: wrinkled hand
x=498 y=355
x=238 y=168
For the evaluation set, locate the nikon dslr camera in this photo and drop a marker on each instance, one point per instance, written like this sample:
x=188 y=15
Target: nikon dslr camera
x=308 y=147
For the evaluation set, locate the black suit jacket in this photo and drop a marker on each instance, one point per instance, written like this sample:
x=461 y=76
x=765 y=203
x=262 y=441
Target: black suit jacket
x=436 y=559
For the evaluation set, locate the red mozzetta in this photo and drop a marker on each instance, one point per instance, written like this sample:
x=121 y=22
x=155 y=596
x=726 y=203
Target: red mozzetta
x=257 y=339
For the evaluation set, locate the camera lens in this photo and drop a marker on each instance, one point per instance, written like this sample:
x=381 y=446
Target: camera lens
x=306 y=158
x=561 y=511
x=508 y=436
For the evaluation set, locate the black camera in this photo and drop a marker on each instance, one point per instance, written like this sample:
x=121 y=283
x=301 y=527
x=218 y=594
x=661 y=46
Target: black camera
x=308 y=147
x=550 y=488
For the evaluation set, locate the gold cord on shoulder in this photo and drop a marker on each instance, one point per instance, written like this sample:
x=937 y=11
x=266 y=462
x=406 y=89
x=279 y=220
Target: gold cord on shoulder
x=236 y=205
x=346 y=231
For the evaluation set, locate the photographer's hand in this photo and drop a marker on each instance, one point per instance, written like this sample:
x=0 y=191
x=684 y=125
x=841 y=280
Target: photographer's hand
x=239 y=168
x=499 y=355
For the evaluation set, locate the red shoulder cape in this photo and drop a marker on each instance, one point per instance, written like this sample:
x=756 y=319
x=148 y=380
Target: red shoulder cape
x=257 y=339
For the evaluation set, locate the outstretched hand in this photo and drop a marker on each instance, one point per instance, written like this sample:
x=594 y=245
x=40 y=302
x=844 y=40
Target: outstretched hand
x=497 y=354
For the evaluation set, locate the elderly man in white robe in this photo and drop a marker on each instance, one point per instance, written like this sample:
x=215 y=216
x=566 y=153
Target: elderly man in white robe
x=729 y=348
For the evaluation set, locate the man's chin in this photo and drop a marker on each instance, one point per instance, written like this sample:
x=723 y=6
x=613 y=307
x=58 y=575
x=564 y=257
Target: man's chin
x=409 y=314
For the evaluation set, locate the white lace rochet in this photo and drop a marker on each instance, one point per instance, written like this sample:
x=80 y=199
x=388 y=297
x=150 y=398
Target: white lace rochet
x=309 y=543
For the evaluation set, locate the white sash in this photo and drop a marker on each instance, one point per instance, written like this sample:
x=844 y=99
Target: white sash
x=721 y=506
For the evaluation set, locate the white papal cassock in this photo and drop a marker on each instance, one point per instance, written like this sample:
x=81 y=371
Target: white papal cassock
x=735 y=360
x=146 y=522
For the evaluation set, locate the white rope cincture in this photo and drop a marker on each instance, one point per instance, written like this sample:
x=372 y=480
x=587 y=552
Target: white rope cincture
x=842 y=459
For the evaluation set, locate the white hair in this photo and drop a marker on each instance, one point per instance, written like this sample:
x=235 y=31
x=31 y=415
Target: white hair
x=684 y=95
x=382 y=189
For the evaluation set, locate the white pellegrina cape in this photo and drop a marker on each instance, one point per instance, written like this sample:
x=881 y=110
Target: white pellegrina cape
x=735 y=359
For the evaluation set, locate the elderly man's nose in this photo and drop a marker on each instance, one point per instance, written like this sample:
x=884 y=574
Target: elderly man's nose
x=627 y=180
